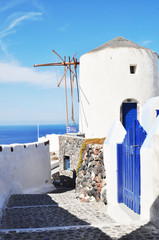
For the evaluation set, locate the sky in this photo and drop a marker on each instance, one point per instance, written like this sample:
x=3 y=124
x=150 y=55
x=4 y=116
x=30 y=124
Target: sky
x=31 y=29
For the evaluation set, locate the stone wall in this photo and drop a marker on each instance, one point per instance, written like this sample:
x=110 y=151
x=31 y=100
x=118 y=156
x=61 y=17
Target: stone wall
x=69 y=146
x=91 y=177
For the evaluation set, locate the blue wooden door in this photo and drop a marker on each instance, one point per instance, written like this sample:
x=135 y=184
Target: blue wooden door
x=157 y=112
x=128 y=160
x=129 y=113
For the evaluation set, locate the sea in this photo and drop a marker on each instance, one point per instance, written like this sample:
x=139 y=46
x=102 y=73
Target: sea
x=27 y=133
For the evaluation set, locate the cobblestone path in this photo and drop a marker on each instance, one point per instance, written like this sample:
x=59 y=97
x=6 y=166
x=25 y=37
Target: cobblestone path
x=59 y=215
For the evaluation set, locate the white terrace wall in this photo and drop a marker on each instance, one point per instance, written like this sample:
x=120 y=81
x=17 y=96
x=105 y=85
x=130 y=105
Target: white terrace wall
x=150 y=175
x=24 y=169
x=149 y=166
x=148 y=115
x=54 y=142
x=115 y=136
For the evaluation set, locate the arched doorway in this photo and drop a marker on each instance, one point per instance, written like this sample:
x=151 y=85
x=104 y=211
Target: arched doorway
x=129 y=112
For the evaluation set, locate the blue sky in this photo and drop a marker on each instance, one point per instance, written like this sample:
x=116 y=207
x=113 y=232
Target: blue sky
x=30 y=29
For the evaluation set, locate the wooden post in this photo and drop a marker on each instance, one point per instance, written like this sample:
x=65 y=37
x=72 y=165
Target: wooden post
x=66 y=94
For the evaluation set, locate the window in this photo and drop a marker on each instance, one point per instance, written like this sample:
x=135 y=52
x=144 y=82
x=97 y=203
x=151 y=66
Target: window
x=133 y=69
x=66 y=162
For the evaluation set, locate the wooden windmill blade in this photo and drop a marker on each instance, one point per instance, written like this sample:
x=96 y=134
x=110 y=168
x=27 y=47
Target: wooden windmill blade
x=49 y=64
x=73 y=74
x=66 y=97
x=71 y=86
x=72 y=116
x=58 y=55
x=68 y=66
x=64 y=75
x=76 y=79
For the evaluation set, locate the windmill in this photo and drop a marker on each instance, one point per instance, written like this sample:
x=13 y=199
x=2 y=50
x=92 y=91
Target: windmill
x=72 y=62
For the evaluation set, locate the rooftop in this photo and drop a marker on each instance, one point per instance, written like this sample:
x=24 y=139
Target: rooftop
x=120 y=42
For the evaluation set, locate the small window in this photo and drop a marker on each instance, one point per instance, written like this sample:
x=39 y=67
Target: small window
x=132 y=69
x=66 y=162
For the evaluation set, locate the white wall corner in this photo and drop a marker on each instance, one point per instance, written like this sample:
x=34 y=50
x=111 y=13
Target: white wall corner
x=149 y=162
x=115 y=136
x=116 y=133
x=153 y=131
x=148 y=114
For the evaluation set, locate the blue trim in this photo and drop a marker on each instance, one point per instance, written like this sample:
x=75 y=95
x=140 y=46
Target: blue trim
x=157 y=112
x=119 y=173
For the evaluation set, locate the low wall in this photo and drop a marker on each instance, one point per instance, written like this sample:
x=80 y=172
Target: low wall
x=54 y=142
x=149 y=168
x=24 y=169
x=115 y=136
x=150 y=176
x=148 y=115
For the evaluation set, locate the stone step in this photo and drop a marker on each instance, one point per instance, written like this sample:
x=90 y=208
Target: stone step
x=59 y=215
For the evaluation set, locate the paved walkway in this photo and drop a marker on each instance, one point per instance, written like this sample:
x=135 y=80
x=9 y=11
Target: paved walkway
x=60 y=215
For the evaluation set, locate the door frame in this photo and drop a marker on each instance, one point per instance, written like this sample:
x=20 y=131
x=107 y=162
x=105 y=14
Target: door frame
x=129 y=100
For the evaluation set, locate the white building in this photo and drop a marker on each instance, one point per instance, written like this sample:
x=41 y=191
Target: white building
x=116 y=79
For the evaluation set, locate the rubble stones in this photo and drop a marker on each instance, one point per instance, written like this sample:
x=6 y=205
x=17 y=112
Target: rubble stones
x=91 y=177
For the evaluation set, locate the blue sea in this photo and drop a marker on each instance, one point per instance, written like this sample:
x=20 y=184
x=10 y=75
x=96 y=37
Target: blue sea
x=28 y=133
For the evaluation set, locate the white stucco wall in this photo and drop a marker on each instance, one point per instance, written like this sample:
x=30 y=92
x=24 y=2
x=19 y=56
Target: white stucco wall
x=115 y=136
x=148 y=115
x=105 y=82
x=54 y=141
x=25 y=170
x=150 y=175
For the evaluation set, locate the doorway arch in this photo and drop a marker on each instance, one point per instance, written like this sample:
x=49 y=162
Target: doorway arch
x=128 y=112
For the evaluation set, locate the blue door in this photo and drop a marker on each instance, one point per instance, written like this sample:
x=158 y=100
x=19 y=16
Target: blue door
x=157 y=112
x=129 y=113
x=128 y=162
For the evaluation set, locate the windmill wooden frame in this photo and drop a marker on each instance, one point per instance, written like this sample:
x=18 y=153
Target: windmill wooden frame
x=73 y=77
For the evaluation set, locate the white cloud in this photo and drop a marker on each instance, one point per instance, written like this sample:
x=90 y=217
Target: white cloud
x=8 y=5
x=11 y=28
x=146 y=42
x=13 y=72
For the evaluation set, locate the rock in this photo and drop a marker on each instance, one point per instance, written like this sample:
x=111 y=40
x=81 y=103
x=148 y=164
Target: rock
x=91 y=176
x=83 y=200
x=103 y=195
x=89 y=193
x=81 y=196
x=84 y=184
x=96 y=151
